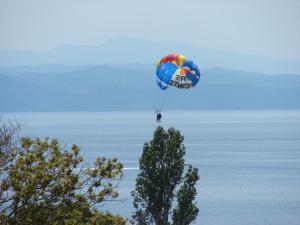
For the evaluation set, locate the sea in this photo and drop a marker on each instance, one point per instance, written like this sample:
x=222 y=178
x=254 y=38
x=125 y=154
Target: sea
x=248 y=161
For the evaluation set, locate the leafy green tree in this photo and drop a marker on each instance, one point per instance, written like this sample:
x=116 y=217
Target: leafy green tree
x=186 y=211
x=43 y=184
x=8 y=141
x=158 y=183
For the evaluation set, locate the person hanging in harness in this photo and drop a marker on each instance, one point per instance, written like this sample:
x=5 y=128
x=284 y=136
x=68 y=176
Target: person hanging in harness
x=158 y=116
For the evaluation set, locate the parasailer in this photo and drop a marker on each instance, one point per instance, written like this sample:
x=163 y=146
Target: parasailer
x=158 y=117
x=177 y=71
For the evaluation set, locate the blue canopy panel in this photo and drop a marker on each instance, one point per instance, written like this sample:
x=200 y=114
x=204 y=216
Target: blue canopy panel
x=164 y=73
x=162 y=85
x=193 y=76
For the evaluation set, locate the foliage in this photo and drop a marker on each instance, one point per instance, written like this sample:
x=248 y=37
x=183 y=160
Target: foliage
x=43 y=184
x=8 y=141
x=162 y=167
x=186 y=211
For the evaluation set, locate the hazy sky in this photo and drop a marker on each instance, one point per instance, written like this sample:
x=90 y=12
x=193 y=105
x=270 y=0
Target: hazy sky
x=261 y=27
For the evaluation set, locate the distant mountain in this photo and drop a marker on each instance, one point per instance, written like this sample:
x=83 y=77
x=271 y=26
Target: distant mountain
x=129 y=50
x=99 y=88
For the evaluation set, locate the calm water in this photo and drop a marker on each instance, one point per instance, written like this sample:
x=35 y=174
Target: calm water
x=249 y=161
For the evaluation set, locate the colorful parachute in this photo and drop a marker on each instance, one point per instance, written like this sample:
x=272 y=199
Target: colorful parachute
x=175 y=70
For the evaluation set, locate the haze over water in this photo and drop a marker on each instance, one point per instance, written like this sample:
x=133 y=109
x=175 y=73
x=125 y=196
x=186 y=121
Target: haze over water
x=249 y=161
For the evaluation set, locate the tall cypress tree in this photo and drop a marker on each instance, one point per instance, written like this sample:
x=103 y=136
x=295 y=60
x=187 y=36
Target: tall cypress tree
x=158 y=183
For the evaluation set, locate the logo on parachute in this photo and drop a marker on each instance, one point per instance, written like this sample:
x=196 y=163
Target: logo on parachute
x=180 y=81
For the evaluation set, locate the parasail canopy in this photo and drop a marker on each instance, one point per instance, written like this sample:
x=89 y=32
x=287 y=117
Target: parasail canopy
x=178 y=71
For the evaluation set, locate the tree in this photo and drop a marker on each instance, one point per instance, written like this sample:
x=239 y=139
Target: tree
x=162 y=168
x=186 y=211
x=8 y=141
x=43 y=184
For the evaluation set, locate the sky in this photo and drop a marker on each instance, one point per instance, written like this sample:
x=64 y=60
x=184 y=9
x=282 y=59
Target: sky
x=268 y=28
